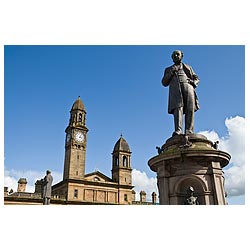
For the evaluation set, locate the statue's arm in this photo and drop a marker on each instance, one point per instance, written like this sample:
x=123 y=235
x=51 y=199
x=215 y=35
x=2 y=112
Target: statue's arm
x=168 y=74
x=195 y=79
x=45 y=180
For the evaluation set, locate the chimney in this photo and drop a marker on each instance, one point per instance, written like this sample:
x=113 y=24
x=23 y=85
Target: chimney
x=154 y=198
x=22 y=185
x=142 y=196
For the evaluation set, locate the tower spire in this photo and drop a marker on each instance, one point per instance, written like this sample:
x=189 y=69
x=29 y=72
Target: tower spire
x=121 y=167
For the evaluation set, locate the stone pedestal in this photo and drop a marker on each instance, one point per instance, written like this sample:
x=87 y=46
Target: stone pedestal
x=192 y=161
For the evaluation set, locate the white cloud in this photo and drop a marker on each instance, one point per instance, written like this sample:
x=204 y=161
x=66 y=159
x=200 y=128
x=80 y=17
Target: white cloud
x=211 y=135
x=142 y=182
x=12 y=176
x=10 y=181
x=234 y=144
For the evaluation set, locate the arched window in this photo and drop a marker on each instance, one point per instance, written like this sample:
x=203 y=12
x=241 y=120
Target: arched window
x=124 y=161
x=80 y=117
x=116 y=161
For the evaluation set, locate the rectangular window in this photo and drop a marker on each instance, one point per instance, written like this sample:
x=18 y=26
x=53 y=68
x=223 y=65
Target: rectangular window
x=125 y=197
x=75 y=193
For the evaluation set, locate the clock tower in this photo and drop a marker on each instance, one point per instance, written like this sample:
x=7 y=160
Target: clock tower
x=75 y=143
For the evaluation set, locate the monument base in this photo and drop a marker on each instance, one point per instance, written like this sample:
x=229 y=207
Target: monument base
x=190 y=161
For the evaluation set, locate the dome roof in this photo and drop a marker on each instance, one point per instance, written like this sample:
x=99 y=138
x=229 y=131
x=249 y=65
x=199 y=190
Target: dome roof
x=121 y=145
x=22 y=181
x=78 y=105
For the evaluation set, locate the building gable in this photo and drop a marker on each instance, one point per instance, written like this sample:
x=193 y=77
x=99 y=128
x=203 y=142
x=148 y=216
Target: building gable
x=98 y=177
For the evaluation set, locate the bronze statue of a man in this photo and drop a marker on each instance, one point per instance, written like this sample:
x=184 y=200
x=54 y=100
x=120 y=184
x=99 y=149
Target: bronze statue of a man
x=46 y=188
x=182 y=82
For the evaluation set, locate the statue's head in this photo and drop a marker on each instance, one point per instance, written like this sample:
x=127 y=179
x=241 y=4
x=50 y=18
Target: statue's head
x=48 y=172
x=177 y=55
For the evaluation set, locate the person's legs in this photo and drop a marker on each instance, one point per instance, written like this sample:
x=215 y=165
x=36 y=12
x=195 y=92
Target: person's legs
x=178 y=119
x=189 y=122
x=46 y=201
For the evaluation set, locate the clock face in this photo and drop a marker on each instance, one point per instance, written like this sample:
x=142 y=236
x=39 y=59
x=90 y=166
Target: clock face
x=79 y=136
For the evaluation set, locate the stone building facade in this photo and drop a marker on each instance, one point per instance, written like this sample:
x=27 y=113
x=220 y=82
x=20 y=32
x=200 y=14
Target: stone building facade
x=77 y=187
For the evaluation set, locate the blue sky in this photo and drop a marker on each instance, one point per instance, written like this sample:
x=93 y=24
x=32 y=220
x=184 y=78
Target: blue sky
x=44 y=90
x=121 y=89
